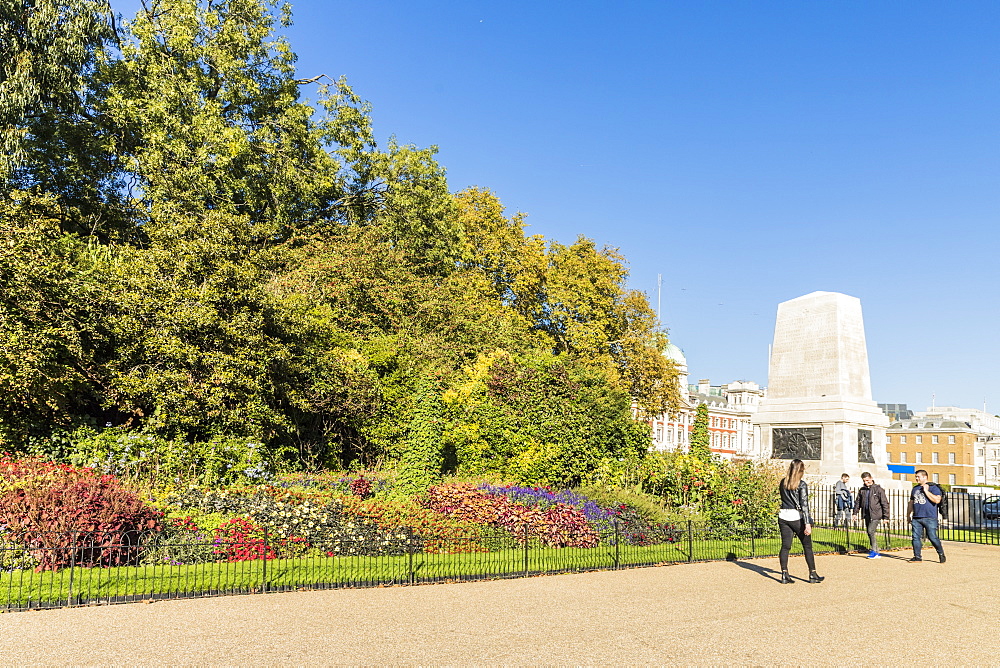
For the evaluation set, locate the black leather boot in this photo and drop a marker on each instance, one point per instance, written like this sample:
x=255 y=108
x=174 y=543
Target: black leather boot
x=786 y=579
x=815 y=578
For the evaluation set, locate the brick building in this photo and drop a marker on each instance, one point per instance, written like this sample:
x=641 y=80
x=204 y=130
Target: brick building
x=945 y=448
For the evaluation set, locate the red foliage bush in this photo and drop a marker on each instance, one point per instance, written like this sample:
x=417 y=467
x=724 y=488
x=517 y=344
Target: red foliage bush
x=361 y=487
x=66 y=514
x=559 y=525
x=242 y=539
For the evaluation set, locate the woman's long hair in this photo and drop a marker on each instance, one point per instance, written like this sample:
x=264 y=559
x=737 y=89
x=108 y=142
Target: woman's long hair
x=794 y=476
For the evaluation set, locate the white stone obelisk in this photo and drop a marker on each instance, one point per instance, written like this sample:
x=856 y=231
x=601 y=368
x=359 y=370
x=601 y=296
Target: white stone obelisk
x=819 y=405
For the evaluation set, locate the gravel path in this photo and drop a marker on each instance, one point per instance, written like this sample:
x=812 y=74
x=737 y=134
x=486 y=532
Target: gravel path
x=868 y=611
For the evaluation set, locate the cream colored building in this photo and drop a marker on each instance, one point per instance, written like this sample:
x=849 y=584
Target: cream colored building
x=730 y=408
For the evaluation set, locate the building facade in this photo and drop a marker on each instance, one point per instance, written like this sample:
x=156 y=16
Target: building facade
x=730 y=407
x=946 y=449
x=977 y=462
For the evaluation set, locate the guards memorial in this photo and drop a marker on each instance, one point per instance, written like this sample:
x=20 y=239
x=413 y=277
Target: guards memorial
x=819 y=406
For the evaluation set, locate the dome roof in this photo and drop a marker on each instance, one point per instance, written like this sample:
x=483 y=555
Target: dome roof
x=675 y=354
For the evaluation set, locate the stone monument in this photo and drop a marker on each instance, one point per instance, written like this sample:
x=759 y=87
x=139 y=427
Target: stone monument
x=818 y=406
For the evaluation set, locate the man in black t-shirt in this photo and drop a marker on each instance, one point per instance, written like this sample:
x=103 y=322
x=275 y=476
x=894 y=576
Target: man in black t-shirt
x=922 y=512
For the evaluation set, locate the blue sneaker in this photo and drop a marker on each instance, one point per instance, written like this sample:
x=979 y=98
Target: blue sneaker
x=874 y=555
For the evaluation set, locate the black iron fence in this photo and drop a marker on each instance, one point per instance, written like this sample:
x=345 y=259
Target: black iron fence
x=70 y=569
x=971 y=518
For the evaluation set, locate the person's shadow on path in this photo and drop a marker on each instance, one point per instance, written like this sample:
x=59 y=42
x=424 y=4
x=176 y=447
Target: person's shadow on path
x=763 y=571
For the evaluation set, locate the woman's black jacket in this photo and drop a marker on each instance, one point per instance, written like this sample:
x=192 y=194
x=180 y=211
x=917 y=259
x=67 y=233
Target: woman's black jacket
x=797 y=499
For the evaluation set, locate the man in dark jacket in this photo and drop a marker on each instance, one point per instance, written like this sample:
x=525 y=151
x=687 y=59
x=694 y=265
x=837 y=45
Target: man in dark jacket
x=873 y=505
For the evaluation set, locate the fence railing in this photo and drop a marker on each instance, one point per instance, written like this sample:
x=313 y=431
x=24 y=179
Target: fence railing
x=74 y=568
x=972 y=518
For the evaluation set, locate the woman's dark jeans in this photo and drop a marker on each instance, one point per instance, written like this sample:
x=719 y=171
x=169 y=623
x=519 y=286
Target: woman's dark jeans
x=796 y=528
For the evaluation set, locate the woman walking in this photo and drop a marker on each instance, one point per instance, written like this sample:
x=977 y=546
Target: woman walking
x=794 y=520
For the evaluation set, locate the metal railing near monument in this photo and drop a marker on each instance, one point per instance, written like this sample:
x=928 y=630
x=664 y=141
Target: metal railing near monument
x=970 y=516
x=71 y=569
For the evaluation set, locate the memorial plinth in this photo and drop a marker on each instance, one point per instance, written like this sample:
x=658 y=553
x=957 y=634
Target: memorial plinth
x=819 y=406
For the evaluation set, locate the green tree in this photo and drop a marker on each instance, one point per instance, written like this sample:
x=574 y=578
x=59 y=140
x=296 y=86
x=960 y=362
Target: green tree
x=197 y=252
x=544 y=420
x=421 y=460
x=700 y=445
x=53 y=343
x=54 y=136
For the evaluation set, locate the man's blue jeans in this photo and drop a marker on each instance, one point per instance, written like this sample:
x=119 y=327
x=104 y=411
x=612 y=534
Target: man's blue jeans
x=928 y=525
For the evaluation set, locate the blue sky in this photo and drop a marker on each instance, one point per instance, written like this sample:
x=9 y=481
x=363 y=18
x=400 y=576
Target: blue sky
x=750 y=152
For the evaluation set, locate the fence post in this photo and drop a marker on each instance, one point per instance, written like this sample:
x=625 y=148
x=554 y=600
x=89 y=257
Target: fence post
x=690 y=542
x=618 y=539
x=753 y=542
x=411 y=575
x=525 y=549
x=72 y=566
x=263 y=576
x=847 y=534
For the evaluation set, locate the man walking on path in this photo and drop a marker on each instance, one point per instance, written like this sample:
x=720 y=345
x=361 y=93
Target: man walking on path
x=922 y=512
x=842 y=501
x=873 y=505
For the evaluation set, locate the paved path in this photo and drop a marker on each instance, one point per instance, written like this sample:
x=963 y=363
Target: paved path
x=706 y=613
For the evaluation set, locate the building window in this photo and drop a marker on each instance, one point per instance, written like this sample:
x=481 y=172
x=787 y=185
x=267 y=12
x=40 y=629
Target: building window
x=902 y=476
x=982 y=471
x=920 y=439
x=951 y=478
x=920 y=458
x=902 y=439
x=951 y=457
x=659 y=434
x=934 y=477
x=951 y=440
x=888 y=439
x=934 y=440
x=902 y=459
x=980 y=452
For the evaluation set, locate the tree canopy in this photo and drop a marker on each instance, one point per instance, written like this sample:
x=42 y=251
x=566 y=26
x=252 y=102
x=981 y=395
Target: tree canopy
x=194 y=250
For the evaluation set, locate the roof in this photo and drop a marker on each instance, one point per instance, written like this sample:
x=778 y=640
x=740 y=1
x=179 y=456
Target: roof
x=925 y=424
x=675 y=354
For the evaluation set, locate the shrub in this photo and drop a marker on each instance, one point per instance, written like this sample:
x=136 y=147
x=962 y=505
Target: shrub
x=134 y=454
x=242 y=539
x=433 y=532
x=14 y=556
x=360 y=487
x=183 y=540
x=722 y=493
x=367 y=484
x=556 y=525
x=633 y=526
x=65 y=514
x=295 y=521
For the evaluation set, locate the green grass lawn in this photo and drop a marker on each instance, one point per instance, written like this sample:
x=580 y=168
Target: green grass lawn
x=24 y=588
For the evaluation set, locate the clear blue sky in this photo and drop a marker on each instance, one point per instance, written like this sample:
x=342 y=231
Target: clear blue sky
x=750 y=152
